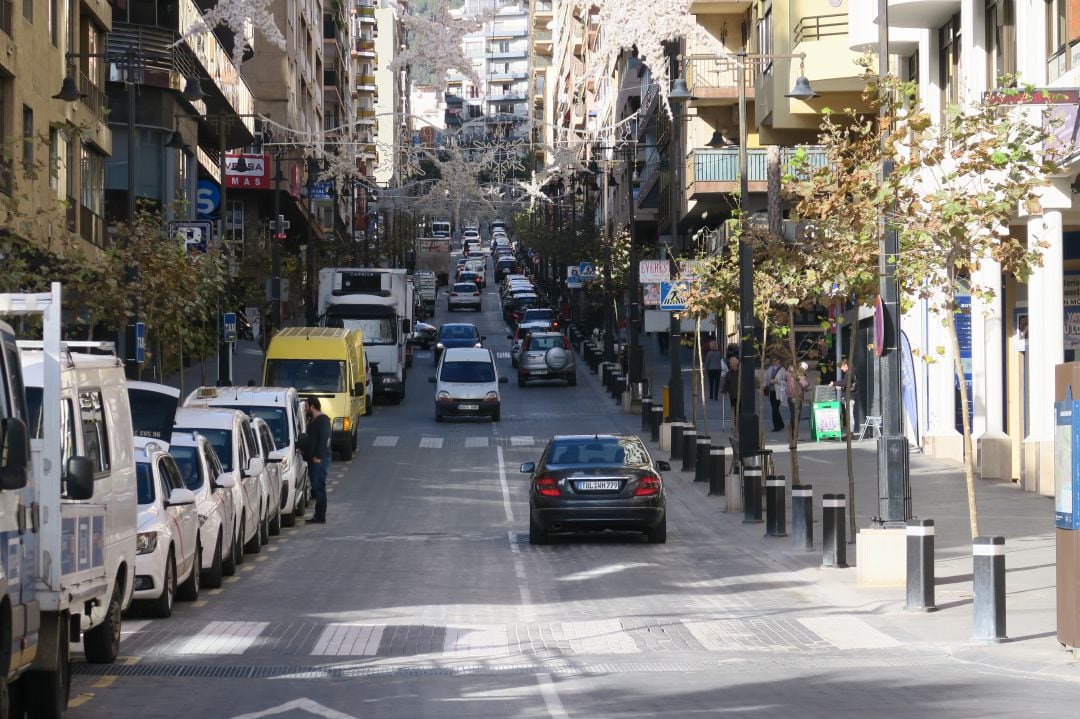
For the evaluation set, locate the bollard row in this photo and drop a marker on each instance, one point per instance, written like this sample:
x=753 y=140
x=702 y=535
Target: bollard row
x=834 y=530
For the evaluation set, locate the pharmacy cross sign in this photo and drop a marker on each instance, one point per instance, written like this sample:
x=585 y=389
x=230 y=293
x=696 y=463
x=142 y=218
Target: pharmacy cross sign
x=278 y=227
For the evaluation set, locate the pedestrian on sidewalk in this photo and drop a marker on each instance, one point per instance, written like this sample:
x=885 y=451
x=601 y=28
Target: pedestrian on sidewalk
x=319 y=462
x=776 y=390
x=716 y=367
x=731 y=386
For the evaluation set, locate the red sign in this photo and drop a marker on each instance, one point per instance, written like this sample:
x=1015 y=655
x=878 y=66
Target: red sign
x=251 y=174
x=1034 y=96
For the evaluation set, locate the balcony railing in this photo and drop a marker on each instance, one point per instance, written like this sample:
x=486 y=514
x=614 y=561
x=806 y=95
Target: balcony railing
x=93 y=96
x=366 y=46
x=365 y=80
x=722 y=165
x=816 y=27
x=711 y=77
x=367 y=13
x=365 y=112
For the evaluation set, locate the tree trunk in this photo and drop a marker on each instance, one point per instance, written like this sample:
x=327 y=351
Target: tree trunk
x=701 y=378
x=969 y=457
x=793 y=403
x=850 y=430
x=775 y=211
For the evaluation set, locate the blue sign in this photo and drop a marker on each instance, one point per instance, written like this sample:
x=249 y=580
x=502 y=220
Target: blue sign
x=1066 y=471
x=207 y=198
x=673 y=295
x=321 y=190
x=588 y=272
x=229 y=327
x=963 y=336
x=194 y=235
x=140 y=342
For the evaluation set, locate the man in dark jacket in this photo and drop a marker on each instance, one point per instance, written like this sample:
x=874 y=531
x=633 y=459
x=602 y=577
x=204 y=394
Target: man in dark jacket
x=319 y=466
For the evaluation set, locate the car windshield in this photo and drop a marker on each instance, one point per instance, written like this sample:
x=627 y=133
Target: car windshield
x=458 y=332
x=545 y=343
x=276 y=417
x=469 y=372
x=144 y=483
x=152 y=413
x=221 y=441
x=187 y=461
x=627 y=452
x=307 y=375
x=376 y=330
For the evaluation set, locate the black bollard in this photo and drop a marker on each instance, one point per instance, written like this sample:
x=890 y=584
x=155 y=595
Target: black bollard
x=988 y=609
x=775 y=499
x=676 y=441
x=656 y=420
x=689 y=448
x=802 y=516
x=751 y=484
x=716 y=471
x=701 y=466
x=646 y=414
x=920 y=565
x=834 y=530
x=618 y=383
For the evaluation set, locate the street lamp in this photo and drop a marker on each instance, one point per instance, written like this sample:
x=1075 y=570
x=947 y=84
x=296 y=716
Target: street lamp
x=678 y=95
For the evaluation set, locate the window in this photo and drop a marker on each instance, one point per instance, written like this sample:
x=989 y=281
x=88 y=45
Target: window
x=54 y=158
x=92 y=166
x=1057 y=38
x=28 y=139
x=95 y=432
x=949 y=61
x=6 y=96
x=266 y=440
x=912 y=74
x=221 y=441
x=67 y=420
x=54 y=22
x=502 y=46
x=765 y=37
x=28 y=10
x=170 y=476
x=1000 y=40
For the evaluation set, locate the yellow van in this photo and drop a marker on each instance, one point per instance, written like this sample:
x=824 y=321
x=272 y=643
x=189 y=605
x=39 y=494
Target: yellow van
x=329 y=363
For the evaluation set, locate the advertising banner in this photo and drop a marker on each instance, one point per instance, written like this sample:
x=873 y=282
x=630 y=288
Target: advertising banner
x=253 y=174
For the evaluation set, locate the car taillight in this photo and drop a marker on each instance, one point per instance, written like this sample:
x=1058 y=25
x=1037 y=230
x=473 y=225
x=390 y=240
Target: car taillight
x=475 y=294
x=547 y=486
x=648 y=486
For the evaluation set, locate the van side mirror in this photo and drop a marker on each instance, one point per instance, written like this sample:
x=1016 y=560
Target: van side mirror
x=224 y=481
x=16 y=447
x=80 y=478
x=255 y=466
x=180 y=497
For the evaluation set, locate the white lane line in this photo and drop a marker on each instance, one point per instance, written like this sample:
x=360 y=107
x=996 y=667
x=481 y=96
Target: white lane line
x=521 y=441
x=508 y=508
x=472 y=442
x=550 y=693
x=431 y=442
x=522 y=578
x=385 y=441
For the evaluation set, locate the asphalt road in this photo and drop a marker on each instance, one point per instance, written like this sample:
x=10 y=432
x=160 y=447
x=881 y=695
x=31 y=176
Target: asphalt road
x=421 y=597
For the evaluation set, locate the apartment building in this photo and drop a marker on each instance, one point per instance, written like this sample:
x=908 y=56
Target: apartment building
x=541 y=17
x=392 y=110
x=53 y=166
x=365 y=62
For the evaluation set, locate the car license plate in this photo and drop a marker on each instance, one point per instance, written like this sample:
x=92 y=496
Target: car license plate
x=539 y=371
x=595 y=486
x=467 y=407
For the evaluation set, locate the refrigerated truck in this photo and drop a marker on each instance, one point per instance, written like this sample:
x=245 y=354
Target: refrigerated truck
x=67 y=505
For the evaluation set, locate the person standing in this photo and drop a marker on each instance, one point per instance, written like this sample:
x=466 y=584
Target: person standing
x=319 y=465
x=731 y=387
x=716 y=367
x=775 y=389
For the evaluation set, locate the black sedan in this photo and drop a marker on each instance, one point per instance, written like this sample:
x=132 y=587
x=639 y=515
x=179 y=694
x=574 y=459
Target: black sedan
x=457 y=334
x=587 y=483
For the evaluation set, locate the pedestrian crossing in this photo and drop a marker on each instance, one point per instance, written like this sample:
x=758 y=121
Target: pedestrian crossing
x=428 y=441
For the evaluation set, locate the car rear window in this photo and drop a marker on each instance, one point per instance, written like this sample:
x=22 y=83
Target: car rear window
x=627 y=452
x=465 y=287
x=468 y=372
x=545 y=343
x=540 y=314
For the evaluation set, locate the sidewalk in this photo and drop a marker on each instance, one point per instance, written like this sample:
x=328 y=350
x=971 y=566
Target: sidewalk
x=247 y=365
x=1026 y=520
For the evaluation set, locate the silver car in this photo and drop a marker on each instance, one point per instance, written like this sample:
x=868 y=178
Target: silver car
x=544 y=356
x=518 y=337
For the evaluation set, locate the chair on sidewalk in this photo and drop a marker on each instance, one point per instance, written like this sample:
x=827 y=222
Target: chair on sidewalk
x=872 y=424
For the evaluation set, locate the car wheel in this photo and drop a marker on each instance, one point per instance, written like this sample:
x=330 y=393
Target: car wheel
x=264 y=529
x=102 y=643
x=212 y=578
x=521 y=382
x=497 y=415
x=536 y=534
x=438 y=417
x=46 y=692
x=254 y=545
x=658 y=534
x=232 y=557
x=275 y=523
x=346 y=451
x=289 y=518
x=572 y=380
x=189 y=590
x=162 y=606
x=367 y=406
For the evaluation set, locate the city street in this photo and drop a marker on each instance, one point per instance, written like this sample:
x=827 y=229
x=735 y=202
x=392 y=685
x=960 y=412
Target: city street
x=421 y=597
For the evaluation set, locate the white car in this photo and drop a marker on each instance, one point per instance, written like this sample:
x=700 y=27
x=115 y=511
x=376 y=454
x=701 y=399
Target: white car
x=467 y=384
x=471 y=234
x=202 y=474
x=167 y=549
x=463 y=295
x=272 y=486
x=230 y=434
x=282 y=410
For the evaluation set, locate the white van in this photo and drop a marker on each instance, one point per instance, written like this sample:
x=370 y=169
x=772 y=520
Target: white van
x=230 y=434
x=467 y=384
x=280 y=407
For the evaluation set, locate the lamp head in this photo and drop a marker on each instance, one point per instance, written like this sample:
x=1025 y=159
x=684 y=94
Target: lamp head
x=69 y=91
x=176 y=141
x=802 y=89
x=718 y=140
x=193 y=90
x=679 y=92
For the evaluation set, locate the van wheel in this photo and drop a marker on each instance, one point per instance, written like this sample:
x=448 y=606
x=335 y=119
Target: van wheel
x=163 y=605
x=346 y=451
x=102 y=643
x=289 y=518
x=212 y=578
x=189 y=590
x=264 y=529
x=367 y=406
x=233 y=557
x=46 y=692
x=275 y=523
x=254 y=545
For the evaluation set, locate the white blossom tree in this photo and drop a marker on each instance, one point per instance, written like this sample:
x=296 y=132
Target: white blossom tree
x=238 y=16
x=436 y=41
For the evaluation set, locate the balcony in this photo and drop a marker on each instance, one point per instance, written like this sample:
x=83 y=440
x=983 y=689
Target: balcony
x=93 y=97
x=366 y=48
x=522 y=74
x=711 y=172
x=365 y=82
x=863 y=31
x=500 y=96
x=714 y=81
x=367 y=14
x=817 y=27
x=508 y=54
x=922 y=14
x=719 y=7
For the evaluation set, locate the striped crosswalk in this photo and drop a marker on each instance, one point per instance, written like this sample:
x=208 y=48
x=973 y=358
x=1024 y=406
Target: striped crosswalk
x=428 y=441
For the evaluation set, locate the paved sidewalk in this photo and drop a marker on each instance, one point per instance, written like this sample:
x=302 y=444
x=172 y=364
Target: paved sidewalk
x=247 y=365
x=1026 y=520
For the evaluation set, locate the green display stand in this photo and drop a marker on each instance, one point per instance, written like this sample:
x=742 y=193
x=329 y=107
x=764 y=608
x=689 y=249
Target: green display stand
x=825 y=421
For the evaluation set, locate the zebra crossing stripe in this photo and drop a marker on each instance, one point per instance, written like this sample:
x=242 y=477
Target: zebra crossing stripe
x=385 y=441
x=224 y=638
x=431 y=442
x=502 y=355
x=349 y=640
x=521 y=441
x=471 y=442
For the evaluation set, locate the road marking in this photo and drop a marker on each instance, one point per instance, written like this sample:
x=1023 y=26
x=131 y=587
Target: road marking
x=224 y=638
x=476 y=641
x=521 y=441
x=502 y=355
x=199 y=603
x=519 y=572
x=476 y=442
x=133 y=627
x=550 y=693
x=508 y=509
x=274 y=548
x=385 y=441
x=349 y=640
x=80 y=700
x=262 y=557
x=215 y=592
x=305 y=705
x=848 y=633
x=233 y=579
x=104 y=682
x=248 y=568
x=431 y=442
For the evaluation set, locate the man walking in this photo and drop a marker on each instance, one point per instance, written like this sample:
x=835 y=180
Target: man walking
x=319 y=465
x=775 y=388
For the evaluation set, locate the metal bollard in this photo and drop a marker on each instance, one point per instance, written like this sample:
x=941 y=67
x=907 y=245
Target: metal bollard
x=701 y=466
x=920 y=565
x=834 y=530
x=646 y=413
x=618 y=384
x=751 y=485
x=802 y=516
x=657 y=419
x=689 y=448
x=676 y=441
x=775 y=514
x=988 y=609
x=716 y=471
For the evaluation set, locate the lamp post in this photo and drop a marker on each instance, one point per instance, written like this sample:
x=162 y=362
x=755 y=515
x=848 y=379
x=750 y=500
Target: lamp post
x=676 y=97
x=749 y=440
x=311 y=312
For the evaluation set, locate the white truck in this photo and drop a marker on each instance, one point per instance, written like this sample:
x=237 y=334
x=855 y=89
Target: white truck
x=67 y=507
x=379 y=302
x=433 y=254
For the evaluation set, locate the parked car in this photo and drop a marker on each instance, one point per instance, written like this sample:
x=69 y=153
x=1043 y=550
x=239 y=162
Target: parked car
x=167 y=549
x=464 y=295
x=467 y=384
x=586 y=483
x=516 y=304
x=546 y=356
x=517 y=337
x=424 y=335
x=274 y=493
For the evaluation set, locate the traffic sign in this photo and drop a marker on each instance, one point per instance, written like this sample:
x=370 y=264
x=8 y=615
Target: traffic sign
x=229 y=327
x=207 y=198
x=140 y=342
x=673 y=295
x=193 y=234
x=573 y=278
x=588 y=272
